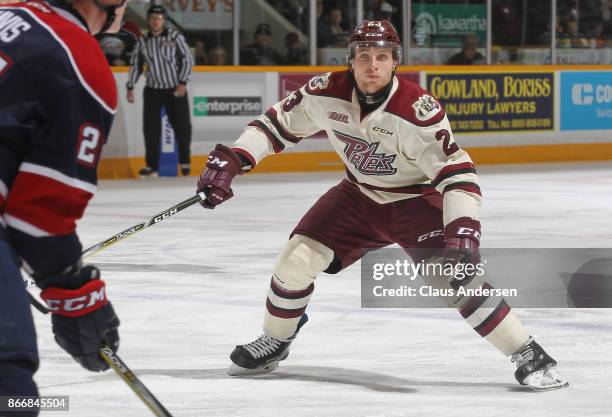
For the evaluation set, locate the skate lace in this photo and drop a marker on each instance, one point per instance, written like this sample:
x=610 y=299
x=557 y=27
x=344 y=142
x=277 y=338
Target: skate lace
x=523 y=356
x=264 y=345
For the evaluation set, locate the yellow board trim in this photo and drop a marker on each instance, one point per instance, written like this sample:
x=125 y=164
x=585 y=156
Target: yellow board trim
x=122 y=168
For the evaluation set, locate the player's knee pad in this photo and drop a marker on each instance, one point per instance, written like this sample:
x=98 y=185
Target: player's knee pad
x=300 y=261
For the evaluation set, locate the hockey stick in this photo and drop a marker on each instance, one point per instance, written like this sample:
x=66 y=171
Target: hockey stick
x=131 y=231
x=33 y=294
x=134 y=383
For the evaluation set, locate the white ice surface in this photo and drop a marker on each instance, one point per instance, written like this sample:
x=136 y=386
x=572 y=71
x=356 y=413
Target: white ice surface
x=190 y=288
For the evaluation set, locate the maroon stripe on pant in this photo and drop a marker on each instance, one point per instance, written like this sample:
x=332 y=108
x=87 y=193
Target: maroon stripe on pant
x=474 y=303
x=491 y=322
x=284 y=313
x=290 y=295
x=276 y=144
x=463 y=185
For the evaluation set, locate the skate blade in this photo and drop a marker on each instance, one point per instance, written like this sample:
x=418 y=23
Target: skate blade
x=546 y=380
x=235 y=370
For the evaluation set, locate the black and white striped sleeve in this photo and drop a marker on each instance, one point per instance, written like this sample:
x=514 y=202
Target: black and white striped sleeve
x=136 y=64
x=186 y=60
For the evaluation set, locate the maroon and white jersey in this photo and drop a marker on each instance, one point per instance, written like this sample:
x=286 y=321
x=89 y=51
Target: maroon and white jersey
x=403 y=149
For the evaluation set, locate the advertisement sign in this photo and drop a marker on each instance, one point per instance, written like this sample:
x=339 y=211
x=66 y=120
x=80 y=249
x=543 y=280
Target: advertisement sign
x=586 y=100
x=197 y=14
x=447 y=24
x=495 y=101
x=226 y=106
x=168 y=157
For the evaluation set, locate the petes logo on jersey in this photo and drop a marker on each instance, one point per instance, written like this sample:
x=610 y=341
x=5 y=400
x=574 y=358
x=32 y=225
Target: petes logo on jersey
x=322 y=81
x=426 y=107
x=362 y=155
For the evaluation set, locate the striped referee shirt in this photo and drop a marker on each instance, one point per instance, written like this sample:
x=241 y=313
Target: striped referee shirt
x=168 y=60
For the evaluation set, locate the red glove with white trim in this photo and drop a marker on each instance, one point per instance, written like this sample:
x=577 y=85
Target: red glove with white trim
x=222 y=166
x=83 y=318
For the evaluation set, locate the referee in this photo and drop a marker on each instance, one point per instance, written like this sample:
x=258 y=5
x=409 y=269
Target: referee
x=169 y=63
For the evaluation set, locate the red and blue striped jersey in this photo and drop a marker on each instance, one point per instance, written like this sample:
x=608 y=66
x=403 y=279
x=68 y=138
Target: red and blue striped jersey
x=57 y=101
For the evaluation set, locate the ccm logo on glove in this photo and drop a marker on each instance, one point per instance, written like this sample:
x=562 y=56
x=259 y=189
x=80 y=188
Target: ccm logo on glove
x=214 y=160
x=74 y=303
x=467 y=231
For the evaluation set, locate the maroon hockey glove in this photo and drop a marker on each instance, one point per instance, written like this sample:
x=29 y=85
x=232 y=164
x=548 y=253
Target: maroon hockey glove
x=222 y=166
x=83 y=319
x=461 y=241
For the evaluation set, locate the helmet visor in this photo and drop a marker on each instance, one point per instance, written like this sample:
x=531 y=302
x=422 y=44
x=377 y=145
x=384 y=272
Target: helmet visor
x=396 y=49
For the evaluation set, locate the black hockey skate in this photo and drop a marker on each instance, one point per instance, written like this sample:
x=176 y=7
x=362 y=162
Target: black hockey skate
x=537 y=369
x=262 y=355
x=147 y=172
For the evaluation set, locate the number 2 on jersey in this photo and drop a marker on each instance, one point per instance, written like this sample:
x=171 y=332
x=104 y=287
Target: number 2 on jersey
x=448 y=148
x=88 y=145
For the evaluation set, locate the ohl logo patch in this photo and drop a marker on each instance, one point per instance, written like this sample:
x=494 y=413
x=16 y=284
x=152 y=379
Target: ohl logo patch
x=362 y=155
x=338 y=117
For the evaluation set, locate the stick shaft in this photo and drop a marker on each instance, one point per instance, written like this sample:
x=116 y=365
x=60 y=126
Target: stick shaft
x=133 y=382
x=34 y=293
x=131 y=231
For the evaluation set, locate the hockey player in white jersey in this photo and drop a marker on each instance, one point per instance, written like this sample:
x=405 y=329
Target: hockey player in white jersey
x=408 y=182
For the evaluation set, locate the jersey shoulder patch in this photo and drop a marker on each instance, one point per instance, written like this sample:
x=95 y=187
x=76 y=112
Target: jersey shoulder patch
x=77 y=49
x=336 y=84
x=415 y=104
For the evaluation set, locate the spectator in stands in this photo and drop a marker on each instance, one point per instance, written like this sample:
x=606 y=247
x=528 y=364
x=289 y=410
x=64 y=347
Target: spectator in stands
x=385 y=12
x=594 y=28
x=507 y=23
x=217 y=55
x=322 y=27
x=260 y=52
x=468 y=54
x=571 y=37
x=607 y=23
x=330 y=31
x=319 y=10
x=295 y=11
x=300 y=10
x=199 y=52
x=297 y=54
x=117 y=43
x=389 y=10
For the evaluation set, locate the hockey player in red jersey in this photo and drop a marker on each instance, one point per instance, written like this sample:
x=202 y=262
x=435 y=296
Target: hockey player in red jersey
x=57 y=101
x=406 y=178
